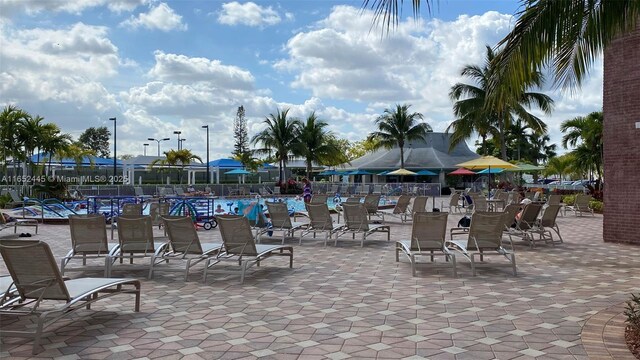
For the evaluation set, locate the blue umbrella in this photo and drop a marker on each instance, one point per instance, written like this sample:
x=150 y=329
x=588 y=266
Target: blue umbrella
x=237 y=172
x=383 y=173
x=359 y=172
x=329 y=172
x=490 y=171
x=426 y=172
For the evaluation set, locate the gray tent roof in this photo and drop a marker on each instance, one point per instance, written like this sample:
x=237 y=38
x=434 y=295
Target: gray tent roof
x=430 y=153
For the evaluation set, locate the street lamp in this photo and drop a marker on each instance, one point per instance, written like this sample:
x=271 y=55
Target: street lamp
x=181 y=141
x=115 y=148
x=158 y=141
x=207 y=127
x=145 y=149
x=178 y=132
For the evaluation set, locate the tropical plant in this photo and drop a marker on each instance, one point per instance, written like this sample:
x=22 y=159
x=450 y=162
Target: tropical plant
x=560 y=165
x=585 y=136
x=360 y=148
x=396 y=127
x=76 y=152
x=492 y=111
x=96 y=139
x=178 y=159
x=10 y=119
x=281 y=137
x=316 y=146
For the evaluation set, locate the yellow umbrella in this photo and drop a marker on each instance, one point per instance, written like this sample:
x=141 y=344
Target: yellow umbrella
x=401 y=172
x=487 y=162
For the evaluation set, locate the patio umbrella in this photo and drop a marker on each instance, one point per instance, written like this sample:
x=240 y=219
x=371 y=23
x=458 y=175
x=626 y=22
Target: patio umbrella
x=487 y=162
x=384 y=173
x=359 y=172
x=401 y=172
x=490 y=171
x=526 y=167
x=238 y=172
x=462 y=172
x=426 y=172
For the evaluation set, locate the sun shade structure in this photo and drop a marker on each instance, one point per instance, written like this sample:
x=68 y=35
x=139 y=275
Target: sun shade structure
x=238 y=172
x=401 y=172
x=426 y=173
x=490 y=171
x=487 y=162
x=462 y=172
x=526 y=167
x=359 y=172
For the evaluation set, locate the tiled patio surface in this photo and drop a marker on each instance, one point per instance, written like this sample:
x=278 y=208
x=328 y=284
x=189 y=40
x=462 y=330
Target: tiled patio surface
x=350 y=302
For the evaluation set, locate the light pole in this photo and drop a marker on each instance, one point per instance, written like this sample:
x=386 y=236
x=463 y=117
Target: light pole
x=178 y=132
x=145 y=149
x=158 y=141
x=207 y=127
x=115 y=148
x=181 y=146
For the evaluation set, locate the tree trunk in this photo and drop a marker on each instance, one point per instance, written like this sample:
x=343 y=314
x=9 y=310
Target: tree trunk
x=401 y=157
x=503 y=142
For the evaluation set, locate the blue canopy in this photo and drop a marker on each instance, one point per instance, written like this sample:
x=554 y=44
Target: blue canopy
x=426 y=172
x=237 y=172
x=329 y=172
x=86 y=160
x=491 y=171
x=359 y=172
x=234 y=164
x=384 y=173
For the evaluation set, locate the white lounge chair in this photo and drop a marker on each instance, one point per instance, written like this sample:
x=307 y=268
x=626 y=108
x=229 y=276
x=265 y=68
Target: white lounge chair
x=428 y=234
x=357 y=222
x=320 y=221
x=38 y=282
x=88 y=241
x=280 y=220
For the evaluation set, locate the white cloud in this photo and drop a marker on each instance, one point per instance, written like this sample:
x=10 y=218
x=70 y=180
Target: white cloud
x=10 y=7
x=250 y=14
x=160 y=17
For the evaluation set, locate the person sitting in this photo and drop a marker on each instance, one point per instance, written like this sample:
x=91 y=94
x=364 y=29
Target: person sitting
x=219 y=209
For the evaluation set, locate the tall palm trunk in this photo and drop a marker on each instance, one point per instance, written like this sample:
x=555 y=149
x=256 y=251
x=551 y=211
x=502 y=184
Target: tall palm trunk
x=502 y=137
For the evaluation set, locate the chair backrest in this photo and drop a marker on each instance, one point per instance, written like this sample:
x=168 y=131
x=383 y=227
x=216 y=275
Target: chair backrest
x=33 y=269
x=179 y=191
x=479 y=203
x=454 y=200
x=529 y=216
x=279 y=215
x=334 y=189
x=364 y=189
x=319 y=216
x=353 y=200
x=549 y=215
x=14 y=195
x=419 y=204
x=89 y=234
x=182 y=235
x=371 y=203
x=510 y=212
x=497 y=193
x=502 y=195
x=582 y=201
x=319 y=199
x=428 y=231
x=402 y=205
x=554 y=199
x=237 y=235
x=137 y=190
x=377 y=189
x=135 y=234
x=356 y=217
x=536 y=196
x=485 y=231
x=131 y=209
x=157 y=211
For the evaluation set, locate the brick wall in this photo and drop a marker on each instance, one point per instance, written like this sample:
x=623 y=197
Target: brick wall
x=621 y=107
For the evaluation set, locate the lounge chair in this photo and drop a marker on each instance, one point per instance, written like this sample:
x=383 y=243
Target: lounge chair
x=135 y=238
x=555 y=199
x=364 y=190
x=157 y=211
x=357 y=222
x=401 y=209
x=377 y=189
x=319 y=221
x=16 y=200
x=581 y=205
x=428 y=234
x=88 y=241
x=239 y=245
x=484 y=239
x=319 y=199
x=8 y=290
x=179 y=191
x=37 y=280
x=526 y=222
x=419 y=204
x=4 y=224
x=454 y=203
x=280 y=220
x=546 y=223
x=184 y=244
x=371 y=203
x=131 y=209
x=479 y=203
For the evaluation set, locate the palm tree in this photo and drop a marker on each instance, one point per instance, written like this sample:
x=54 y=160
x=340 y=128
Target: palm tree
x=77 y=152
x=560 y=165
x=489 y=110
x=316 y=144
x=10 y=143
x=396 y=127
x=585 y=134
x=176 y=158
x=281 y=136
x=52 y=141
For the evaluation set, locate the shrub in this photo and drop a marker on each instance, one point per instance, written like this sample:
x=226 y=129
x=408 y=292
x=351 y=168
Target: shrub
x=596 y=205
x=632 y=311
x=569 y=199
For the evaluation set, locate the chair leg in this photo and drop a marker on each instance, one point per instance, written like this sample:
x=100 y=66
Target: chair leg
x=513 y=264
x=473 y=265
x=453 y=261
x=413 y=265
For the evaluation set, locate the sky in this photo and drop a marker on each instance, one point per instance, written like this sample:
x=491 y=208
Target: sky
x=160 y=67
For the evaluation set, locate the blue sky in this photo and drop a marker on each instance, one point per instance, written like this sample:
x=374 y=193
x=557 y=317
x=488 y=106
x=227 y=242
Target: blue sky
x=177 y=65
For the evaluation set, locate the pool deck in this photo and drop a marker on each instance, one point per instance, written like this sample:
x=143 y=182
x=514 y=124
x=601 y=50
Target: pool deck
x=348 y=302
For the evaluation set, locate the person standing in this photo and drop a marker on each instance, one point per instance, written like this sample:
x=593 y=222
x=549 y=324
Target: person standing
x=306 y=191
